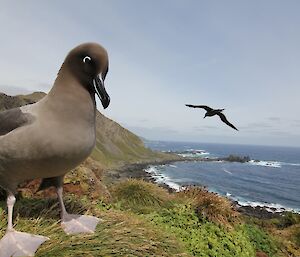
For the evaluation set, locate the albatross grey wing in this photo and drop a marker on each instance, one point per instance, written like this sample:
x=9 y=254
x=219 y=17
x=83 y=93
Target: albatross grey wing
x=205 y=107
x=12 y=119
x=223 y=118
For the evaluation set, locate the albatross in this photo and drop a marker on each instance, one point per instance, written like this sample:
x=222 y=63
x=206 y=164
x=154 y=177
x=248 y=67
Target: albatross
x=212 y=112
x=49 y=138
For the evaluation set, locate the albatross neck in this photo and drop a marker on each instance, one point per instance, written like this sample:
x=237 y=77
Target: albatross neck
x=70 y=98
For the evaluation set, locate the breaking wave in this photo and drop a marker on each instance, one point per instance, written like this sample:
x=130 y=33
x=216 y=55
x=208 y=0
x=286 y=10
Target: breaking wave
x=270 y=207
x=272 y=164
x=193 y=153
x=160 y=178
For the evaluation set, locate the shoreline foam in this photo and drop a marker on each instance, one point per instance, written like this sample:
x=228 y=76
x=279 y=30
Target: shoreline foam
x=160 y=178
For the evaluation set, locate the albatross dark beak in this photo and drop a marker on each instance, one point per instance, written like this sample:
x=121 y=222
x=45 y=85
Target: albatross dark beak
x=101 y=92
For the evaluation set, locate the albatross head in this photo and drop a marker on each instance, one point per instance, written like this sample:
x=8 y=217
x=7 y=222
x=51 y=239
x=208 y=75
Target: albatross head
x=89 y=64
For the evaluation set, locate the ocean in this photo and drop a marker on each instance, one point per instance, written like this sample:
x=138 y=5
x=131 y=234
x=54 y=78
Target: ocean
x=271 y=178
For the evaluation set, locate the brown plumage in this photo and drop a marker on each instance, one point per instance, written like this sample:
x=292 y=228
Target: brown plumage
x=49 y=138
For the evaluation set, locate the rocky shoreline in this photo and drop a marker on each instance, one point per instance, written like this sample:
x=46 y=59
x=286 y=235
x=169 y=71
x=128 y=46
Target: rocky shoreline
x=137 y=171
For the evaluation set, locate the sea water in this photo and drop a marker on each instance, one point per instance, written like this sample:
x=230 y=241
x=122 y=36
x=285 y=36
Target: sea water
x=271 y=178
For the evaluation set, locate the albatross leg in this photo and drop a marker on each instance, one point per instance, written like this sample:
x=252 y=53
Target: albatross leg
x=74 y=224
x=16 y=243
x=11 y=199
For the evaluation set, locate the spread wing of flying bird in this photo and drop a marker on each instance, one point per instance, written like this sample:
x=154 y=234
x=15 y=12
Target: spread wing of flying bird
x=212 y=112
x=205 y=107
x=223 y=118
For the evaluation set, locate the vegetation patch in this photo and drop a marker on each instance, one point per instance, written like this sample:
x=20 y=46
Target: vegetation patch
x=261 y=240
x=210 y=206
x=202 y=238
x=140 y=196
x=118 y=234
x=143 y=219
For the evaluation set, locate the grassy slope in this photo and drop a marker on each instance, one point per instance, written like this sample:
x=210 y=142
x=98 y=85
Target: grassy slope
x=142 y=219
x=118 y=234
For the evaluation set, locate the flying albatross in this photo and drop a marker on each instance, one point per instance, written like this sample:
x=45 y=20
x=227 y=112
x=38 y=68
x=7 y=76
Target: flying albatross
x=211 y=112
x=49 y=138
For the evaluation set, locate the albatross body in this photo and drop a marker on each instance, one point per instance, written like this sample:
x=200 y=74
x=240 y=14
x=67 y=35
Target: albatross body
x=53 y=139
x=49 y=138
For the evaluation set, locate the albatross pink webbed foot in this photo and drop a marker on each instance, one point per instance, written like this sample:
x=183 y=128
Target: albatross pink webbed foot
x=74 y=224
x=16 y=243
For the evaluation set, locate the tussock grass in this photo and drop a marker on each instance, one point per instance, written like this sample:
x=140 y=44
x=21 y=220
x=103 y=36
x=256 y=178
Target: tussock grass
x=288 y=239
x=210 y=206
x=178 y=214
x=143 y=219
x=202 y=238
x=119 y=233
x=140 y=196
x=276 y=233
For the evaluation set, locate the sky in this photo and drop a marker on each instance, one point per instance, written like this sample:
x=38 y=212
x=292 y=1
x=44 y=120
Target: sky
x=239 y=55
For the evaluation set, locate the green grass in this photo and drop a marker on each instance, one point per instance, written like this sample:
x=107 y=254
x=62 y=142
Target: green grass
x=119 y=233
x=261 y=240
x=297 y=237
x=202 y=238
x=142 y=219
x=178 y=215
x=210 y=206
x=139 y=196
x=288 y=219
x=281 y=234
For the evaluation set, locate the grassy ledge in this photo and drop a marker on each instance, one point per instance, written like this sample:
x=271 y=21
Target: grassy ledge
x=142 y=219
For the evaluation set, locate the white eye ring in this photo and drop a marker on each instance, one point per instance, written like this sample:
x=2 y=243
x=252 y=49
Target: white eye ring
x=86 y=58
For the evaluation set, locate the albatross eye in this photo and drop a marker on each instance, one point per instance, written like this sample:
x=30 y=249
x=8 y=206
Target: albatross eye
x=87 y=59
